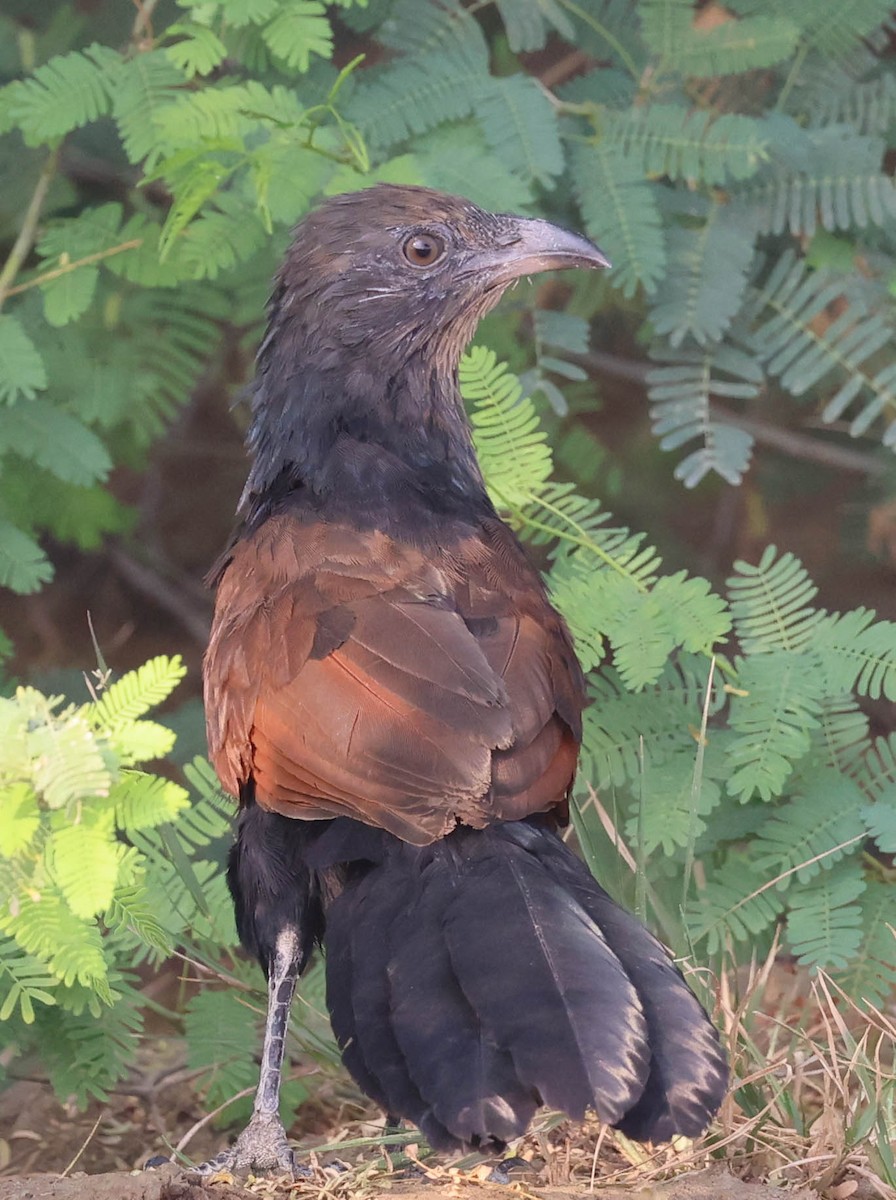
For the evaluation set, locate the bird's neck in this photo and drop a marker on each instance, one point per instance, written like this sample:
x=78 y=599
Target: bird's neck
x=379 y=447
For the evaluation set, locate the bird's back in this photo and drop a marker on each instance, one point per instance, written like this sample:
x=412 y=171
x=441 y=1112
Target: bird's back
x=350 y=673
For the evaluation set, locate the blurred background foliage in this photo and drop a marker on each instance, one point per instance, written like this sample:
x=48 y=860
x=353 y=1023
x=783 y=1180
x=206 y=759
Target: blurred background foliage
x=730 y=385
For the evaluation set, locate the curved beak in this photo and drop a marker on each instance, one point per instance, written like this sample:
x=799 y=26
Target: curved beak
x=542 y=246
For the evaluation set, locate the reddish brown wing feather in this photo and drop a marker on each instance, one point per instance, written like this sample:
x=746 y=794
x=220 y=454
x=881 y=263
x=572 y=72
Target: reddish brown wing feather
x=350 y=675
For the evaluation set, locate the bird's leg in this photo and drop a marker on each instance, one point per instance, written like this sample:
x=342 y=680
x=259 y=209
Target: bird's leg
x=262 y=1146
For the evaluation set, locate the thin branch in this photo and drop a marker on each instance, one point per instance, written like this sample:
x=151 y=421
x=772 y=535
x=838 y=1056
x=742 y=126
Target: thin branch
x=195 y=619
x=23 y=243
x=66 y=268
x=143 y=20
x=787 y=441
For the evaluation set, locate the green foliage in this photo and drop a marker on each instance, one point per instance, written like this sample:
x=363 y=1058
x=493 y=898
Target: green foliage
x=681 y=391
x=76 y=896
x=69 y=91
x=69 y=804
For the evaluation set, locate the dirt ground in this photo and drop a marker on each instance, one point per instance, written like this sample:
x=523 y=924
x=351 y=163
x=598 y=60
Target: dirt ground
x=51 y=1152
x=170 y=1183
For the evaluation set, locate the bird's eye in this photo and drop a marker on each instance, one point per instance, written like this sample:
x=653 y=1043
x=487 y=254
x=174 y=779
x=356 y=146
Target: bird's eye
x=423 y=249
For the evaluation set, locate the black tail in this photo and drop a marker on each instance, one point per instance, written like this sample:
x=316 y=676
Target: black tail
x=474 y=979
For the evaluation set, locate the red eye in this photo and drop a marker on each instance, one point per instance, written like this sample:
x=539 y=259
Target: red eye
x=423 y=249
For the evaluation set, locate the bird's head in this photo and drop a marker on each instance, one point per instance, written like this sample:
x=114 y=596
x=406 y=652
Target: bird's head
x=408 y=271
x=356 y=400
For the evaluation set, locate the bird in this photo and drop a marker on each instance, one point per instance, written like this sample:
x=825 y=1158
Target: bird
x=397 y=706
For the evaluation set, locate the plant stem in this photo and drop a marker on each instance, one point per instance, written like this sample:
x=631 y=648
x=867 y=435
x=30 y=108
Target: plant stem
x=143 y=20
x=792 y=75
x=25 y=240
x=47 y=276
x=602 y=31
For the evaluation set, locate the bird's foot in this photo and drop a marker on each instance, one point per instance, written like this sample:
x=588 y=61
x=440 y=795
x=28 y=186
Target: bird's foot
x=260 y=1149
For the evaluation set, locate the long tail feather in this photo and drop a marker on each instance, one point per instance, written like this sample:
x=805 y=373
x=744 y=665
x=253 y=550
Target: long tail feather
x=473 y=979
x=688 y=1072
x=546 y=984
x=467 y=1078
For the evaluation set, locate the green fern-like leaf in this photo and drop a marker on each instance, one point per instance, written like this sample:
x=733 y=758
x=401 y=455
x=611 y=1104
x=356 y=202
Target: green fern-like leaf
x=621 y=213
x=672 y=806
x=139 y=741
x=133 y=911
x=668 y=139
x=801 y=352
x=66 y=762
x=86 y=1054
x=830 y=176
x=772 y=722
x=878 y=777
x=220 y=238
x=221 y=1029
x=185 y=322
x=511 y=445
x=85 y=864
x=137 y=692
x=880 y=821
x=422 y=27
x=706 y=279
x=141 y=97
x=771 y=604
x=247 y=12
x=19 y=814
x=870 y=975
x=571 y=592
x=67 y=92
x=825 y=815
x=527 y=23
x=413 y=96
x=736 y=903
x=22 y=371
x=71 y=948
x=24 y=567
x=142 y=801
x=658 y=722
x=92 y=232
x=698 y=617
x=680 y=391
x=199 y=49
x=858 y=653
x=843 y=735
x=867 y=106
x=824 y=925
x=299 y=30
x=226 y=113
x=734 y=46
x=56 y=441
x=520 y=125
x=451 y=160
x=834 y=29
x=24 y=982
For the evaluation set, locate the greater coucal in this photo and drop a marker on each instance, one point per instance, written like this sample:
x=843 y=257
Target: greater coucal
x=397 y=705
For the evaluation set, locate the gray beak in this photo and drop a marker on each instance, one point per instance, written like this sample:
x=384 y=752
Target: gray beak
x=544 y=247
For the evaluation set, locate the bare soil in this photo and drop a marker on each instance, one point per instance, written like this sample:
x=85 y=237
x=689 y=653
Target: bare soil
x=49 y=1151
x=171 y=1183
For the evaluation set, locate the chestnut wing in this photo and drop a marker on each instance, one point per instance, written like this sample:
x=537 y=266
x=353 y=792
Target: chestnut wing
x=349 y=675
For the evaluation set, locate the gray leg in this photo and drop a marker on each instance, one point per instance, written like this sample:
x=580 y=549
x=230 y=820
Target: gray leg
x=262 y=1146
